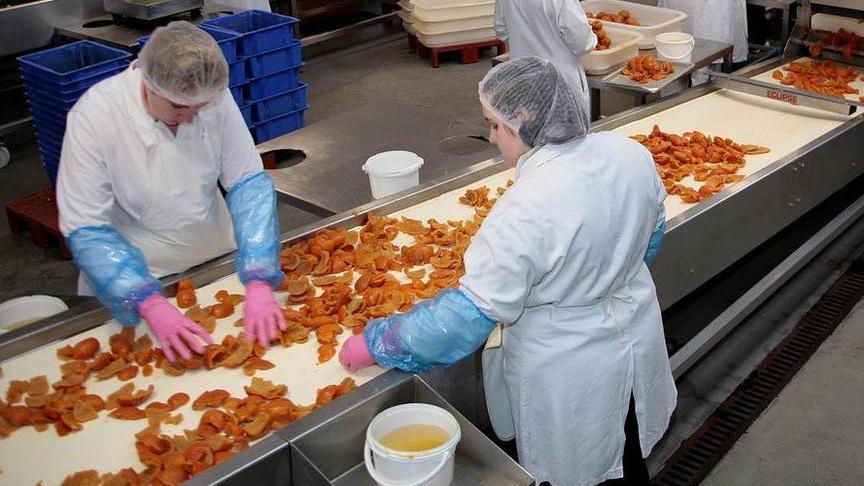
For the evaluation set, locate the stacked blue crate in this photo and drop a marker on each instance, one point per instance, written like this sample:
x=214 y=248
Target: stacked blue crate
x=54 y=79
x=273 y=59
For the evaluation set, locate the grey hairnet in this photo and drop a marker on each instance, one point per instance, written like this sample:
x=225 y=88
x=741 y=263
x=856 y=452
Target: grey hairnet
x=532 y=98
x=184 y=64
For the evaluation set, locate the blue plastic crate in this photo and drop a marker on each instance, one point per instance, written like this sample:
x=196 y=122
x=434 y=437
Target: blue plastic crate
x=49 y=128
x=77 y=86
x=279 y=125
x=279 y=104
x=227 y=42
x=260 y=31
x=41 y=98
x=236 y=73
x=239 y=93
x=74 y=61
x=246 y=111
x=273 y=84
x=275 y=60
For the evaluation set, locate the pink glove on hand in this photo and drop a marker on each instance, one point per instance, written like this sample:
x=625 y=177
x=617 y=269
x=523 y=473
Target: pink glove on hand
x=355 y=354
x=263 y=316
x=176 y=333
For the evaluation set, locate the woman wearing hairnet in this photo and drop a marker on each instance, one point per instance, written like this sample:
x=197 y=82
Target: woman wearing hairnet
x=561 y=262
x=138 y=196
x=556 y=30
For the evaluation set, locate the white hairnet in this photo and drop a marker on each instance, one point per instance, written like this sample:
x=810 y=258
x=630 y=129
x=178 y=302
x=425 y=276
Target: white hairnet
x=184 y=64
x=531 y=97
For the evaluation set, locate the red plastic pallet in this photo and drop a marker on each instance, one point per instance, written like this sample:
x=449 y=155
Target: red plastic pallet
x=468 y=53
x=38 y=214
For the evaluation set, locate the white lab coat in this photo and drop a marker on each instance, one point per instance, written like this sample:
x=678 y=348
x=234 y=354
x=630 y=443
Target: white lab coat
x=717 y=20
x=559 y=261
x=555 y=30
x=120 y=167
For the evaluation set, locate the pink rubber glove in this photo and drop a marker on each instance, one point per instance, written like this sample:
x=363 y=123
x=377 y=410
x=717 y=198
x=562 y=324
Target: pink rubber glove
x=355 y=355
x=263 y=317
x=176 y=333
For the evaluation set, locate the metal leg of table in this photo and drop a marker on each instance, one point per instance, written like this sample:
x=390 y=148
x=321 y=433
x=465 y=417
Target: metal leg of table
x=784 y=31
x=595 y=104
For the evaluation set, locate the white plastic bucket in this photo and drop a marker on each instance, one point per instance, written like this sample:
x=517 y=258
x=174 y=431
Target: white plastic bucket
x=433 y=467
x=392 y=172
x=19 y=312
x=675 y=46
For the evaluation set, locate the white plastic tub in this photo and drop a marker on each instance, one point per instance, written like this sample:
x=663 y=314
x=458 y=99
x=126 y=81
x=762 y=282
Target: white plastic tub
x=833 y=23
x=446 y=27
x=652 y=20
x=392 y=172
x=675 y=47
x=406 y=13
x=625 y=46
x=432 y=39
x=432 y=467
x=19 y=312
x=442 y=10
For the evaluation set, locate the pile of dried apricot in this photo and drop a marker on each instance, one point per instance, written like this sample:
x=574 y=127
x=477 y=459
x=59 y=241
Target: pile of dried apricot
x=622 y=17
x=822 y=77
x=603 y=40
x=845 y=41
x=714 y=161
x=644 y=68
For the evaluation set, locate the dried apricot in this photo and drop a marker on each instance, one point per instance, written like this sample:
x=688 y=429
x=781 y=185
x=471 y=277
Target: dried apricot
x=86 y=349
x=185 y=284
x=177 y=400
x=221 y=310
x=212 y=398
x=128 y=413
x=186 y=299
x=127 y=373
x=16 y=415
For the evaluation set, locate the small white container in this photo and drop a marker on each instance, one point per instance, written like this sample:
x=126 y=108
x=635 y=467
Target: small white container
x=446 y=27
x=19 y=312
x=442 y=10
x=433 y=467
x=392 y=172
x=652 y=20
x=625 y=46
x=675 y=47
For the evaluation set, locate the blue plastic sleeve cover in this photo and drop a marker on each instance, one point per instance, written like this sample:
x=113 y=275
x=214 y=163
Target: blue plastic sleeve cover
x=252 y=204
x=436 y=332
x=115 y=269
x=655 y=242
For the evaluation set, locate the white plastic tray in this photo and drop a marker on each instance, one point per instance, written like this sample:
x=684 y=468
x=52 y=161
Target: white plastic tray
x=442 y=10
x=448 y=26
x=625 y=46
x=451 y=38
x=652 y=20
x=834 y=23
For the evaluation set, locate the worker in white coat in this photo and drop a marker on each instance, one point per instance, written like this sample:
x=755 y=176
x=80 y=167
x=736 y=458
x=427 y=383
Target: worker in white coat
x=137 y=189
x=556 y=30
x=717 y=20
x=560 y=261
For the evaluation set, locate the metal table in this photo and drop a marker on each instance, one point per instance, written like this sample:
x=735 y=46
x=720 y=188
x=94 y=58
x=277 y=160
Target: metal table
x=786 y=7
x=124 y=36
x=705 y=52
x=336 y=149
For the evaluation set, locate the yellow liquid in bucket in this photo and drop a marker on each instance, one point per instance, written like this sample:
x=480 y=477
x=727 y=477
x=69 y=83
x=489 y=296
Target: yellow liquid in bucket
x=415 y=438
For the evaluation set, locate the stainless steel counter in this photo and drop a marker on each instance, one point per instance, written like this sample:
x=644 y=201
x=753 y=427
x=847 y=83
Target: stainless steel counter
x=103 y=29
x=330 y=180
